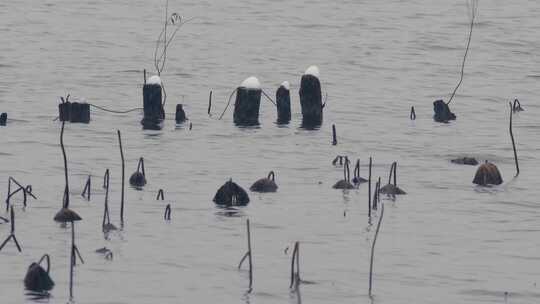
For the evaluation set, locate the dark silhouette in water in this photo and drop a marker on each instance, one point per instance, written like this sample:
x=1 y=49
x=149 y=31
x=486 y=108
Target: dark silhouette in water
x=266 y=184
x=345 y=183
x=487 y=174
x=283 y=103
x=247 y=103
x=392 y=189
x=73 y=111
x=37 y=279
x=357 y=179
x=3 y=119
x=442 y=112
x=311 y=99
x=152 y=103
x=180 y=116
x=230 y=194
x=138 y=179
x=465 y=161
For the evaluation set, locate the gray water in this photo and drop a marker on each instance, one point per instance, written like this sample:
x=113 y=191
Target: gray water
x=446 y=241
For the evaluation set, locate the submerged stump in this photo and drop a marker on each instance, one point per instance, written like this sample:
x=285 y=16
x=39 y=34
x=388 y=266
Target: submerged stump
x=487 y=174
x=180 y=116
x=231 y=194
x=311 y=98
x=153 y=108
x=248 y=101
x=283 y=103
x=442 y=111
x=465 y=161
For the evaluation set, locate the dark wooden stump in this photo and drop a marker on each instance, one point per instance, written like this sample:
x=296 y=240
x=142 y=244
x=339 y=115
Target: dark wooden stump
x=153 y=108
x=311 y=99
x=3 y=119
x=442 y=112
x=246 y=106
x=74 y=112
x=283 y=102
x=180 y=114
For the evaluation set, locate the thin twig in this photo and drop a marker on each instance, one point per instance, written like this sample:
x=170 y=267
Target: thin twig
x=474 y=6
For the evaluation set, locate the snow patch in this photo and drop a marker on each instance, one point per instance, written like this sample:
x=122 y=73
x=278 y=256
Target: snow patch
x=154 y=80
x=312 y=70
x=286 y=85
x=251 y=83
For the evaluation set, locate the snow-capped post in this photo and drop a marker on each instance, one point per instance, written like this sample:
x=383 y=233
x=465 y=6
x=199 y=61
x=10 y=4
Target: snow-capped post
x=153 y=108
x=311 y=98
x=180 y=116
x=248 y=101
x=283 y=102
x=3 y=119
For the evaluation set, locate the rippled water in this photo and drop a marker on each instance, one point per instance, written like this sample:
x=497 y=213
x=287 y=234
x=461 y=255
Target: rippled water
x=446 y=241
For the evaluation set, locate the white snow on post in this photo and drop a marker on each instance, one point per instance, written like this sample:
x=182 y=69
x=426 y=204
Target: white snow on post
x=251 y=83
x=313 y=71
x=154 y=80
x=286 y=85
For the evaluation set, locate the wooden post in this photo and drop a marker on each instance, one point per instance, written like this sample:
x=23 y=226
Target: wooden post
x=248 y=100
x=153 y=108
x=311 y=98
x=283 y=103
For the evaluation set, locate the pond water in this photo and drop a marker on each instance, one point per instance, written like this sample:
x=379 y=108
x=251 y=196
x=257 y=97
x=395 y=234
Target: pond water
x=446 y=241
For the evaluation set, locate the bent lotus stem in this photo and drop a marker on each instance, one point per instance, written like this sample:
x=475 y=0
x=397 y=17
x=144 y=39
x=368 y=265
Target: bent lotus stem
x=513 y=142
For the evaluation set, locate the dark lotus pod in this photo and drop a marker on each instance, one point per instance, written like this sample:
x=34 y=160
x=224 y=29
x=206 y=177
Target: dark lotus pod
x=343 y=184
x=109 y=227
x=392 y=190
x=66 y=215
x=230 y=194
x=180 y=116
x=357 y=179
x=442 y=112
x=266 y=184
x=465 y=161
x=3 y=119
x=37 y=279
x=138 y=179
x=487 y=174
